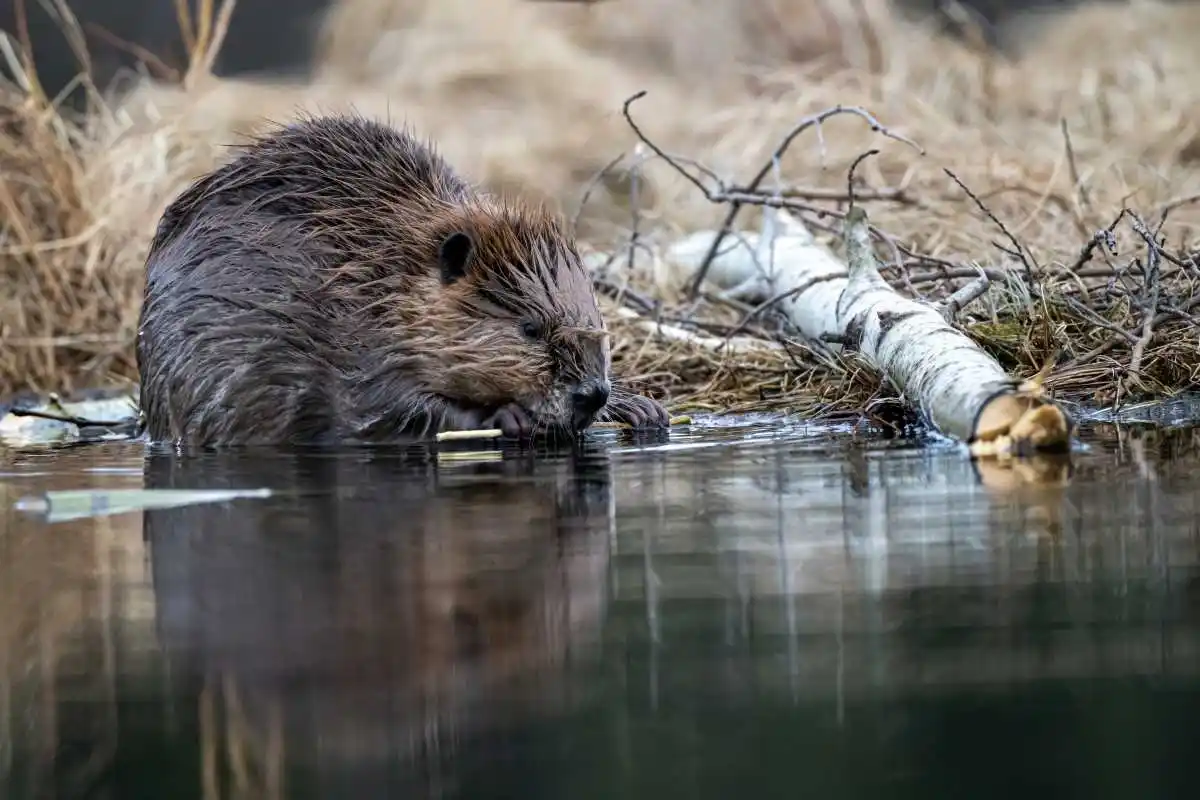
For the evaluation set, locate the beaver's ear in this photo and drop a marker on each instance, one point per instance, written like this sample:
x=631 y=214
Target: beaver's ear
x=454 y=255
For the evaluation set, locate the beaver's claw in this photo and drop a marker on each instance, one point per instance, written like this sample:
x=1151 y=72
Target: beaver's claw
x=634 y=410
x=513 y=421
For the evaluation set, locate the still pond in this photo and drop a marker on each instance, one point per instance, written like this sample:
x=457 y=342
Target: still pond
x=748 y=611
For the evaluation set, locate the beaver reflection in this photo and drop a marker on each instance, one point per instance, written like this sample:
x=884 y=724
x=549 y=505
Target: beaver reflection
x=379 y=596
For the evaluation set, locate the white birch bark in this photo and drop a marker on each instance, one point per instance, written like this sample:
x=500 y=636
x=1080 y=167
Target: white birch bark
x=945 y=374
x=784 y=259
x=953 y=383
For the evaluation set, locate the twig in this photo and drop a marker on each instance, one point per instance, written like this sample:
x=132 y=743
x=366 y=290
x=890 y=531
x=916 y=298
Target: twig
x=1084 y=199
x=1150 y=303
x=635 y=209
x=1183 y=315
x=773 y=200
x=1103 y=236
x=994 y=274
x=479 y=433
x=156 y=64
x=850 y=173
x=720 y=195
x=210 y=36
x=1019 y=250
x=898 y=250
x=590 y=187
x=777 y=299
x=1177 y=202
x=1108 y=344
x=33 y=86
x=1085 y=312
x=70 y=419
x=625 y=295
x=183 y=18
x=710 y=327
x=897 y=194
x=964 y=296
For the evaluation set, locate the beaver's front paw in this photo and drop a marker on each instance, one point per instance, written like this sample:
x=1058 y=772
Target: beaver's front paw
x=635 y=410
x=513 y=421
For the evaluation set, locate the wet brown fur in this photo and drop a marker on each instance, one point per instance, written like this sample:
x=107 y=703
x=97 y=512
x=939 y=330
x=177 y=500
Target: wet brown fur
x=339 y=281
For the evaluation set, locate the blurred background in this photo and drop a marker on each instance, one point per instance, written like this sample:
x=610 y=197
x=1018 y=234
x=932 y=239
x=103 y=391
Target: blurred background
x=276 y=38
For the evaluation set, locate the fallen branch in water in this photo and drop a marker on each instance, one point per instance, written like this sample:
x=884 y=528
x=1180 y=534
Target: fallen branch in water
x=954 y=384
x=962 y=390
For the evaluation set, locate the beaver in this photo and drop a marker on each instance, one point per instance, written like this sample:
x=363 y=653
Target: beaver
x=339 y=281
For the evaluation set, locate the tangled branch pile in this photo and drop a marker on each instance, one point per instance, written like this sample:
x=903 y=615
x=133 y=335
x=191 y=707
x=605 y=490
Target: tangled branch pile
x=1070 y=176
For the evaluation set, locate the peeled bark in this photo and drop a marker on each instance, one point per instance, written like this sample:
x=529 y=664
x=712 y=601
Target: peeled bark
x=950 y=380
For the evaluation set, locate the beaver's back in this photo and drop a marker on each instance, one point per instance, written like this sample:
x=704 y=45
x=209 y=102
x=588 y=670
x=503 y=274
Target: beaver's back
x=239 y=335
x=332 y=172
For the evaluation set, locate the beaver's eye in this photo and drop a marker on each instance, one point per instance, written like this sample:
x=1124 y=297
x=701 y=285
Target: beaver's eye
x=531 y=328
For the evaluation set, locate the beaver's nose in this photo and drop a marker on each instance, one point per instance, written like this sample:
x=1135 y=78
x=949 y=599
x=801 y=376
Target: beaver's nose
x=588 y=398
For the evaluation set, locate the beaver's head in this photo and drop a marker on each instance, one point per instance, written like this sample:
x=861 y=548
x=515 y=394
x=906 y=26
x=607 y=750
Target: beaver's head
x=515 y=318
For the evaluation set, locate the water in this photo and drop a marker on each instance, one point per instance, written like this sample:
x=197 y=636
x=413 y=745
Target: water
x=739 y=613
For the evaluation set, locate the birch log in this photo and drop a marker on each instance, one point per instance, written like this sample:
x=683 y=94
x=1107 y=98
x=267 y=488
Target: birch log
x=952 y=382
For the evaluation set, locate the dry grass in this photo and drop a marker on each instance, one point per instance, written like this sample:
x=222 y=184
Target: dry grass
x=527 y=98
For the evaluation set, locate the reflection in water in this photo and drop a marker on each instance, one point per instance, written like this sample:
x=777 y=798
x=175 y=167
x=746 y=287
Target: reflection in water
x=798 y=615
x=378 y=610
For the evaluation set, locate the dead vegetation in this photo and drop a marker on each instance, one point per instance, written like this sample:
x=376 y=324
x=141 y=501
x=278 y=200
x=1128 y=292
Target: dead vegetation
x=1070 y=175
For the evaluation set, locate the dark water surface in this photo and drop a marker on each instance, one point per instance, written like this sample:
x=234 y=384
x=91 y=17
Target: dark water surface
x=740 y=613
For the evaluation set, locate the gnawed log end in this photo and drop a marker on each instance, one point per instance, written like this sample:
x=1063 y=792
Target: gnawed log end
x=1019 y=422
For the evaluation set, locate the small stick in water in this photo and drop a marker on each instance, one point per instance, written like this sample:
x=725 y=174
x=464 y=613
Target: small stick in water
x=70 y=419
x=481 y=433
x=495 y=433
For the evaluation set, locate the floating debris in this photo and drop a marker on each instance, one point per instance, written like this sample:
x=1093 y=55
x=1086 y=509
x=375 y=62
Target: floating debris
x=58 y=421
x=481 y=433
x=60 y=506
